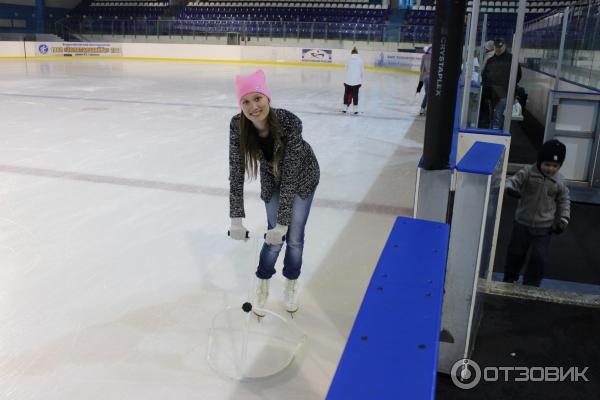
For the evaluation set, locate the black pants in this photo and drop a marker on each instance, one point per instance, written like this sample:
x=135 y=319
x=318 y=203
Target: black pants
x=351 y=94
x=486 y=109
x=522 y=239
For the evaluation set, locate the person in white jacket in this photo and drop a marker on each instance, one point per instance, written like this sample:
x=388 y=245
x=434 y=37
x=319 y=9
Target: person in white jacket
x=353 y=81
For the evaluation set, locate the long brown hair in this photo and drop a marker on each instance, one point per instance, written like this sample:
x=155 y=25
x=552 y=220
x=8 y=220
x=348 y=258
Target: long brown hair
x=249 y=144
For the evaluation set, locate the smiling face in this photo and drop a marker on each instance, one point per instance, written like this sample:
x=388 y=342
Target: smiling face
x=255 y=107
x=549 y=168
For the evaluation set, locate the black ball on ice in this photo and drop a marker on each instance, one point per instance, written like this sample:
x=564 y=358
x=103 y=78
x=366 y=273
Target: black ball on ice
x=247 y=307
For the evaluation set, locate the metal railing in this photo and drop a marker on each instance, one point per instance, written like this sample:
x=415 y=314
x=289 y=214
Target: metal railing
x=581 y=59
x=245 y=30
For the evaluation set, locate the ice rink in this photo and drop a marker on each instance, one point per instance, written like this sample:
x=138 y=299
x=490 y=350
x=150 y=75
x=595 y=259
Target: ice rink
x=114 y=213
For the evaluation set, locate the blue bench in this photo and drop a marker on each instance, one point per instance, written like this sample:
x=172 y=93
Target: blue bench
x=392 y=350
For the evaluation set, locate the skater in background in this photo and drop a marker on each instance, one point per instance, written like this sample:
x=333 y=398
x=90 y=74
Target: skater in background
x=543 y=209
x=269 y=140
x=424 y=77
x=353 y=81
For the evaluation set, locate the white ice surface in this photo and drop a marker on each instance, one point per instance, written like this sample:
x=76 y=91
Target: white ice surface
x=113 y=217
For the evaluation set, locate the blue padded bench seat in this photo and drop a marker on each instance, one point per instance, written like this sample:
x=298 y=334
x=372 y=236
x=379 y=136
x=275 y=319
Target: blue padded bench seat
x=392 y=351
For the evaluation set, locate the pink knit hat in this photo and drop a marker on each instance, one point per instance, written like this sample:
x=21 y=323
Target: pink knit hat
x=253 y=83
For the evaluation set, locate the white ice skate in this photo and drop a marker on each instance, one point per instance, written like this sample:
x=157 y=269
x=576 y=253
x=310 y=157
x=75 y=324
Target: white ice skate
x=345 y=109
x=355 y=109
x=290 y=296
x=262 y=294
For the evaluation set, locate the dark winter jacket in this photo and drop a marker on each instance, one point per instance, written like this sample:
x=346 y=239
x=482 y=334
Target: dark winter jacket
x=299 y=169
x=543 y=201
x=496 y=74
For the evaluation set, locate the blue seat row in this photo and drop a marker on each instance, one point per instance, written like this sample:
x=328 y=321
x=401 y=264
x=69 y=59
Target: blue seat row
x=202 y=27
x=288 y=10
x=279 y=17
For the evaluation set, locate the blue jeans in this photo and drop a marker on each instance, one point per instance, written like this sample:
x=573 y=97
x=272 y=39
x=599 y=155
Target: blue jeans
x=294 y=239
x=498 y=114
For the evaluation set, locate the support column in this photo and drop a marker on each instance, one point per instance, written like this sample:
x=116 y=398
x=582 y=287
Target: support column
x=40 y=12
x=448 y=34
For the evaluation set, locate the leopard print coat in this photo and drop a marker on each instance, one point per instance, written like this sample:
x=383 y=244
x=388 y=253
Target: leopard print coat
x=299 y=169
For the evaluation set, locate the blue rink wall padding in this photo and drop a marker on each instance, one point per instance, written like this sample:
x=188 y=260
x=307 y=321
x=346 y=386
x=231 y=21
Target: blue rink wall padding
x=481 y=158
x=392 y=350
x=493 y=132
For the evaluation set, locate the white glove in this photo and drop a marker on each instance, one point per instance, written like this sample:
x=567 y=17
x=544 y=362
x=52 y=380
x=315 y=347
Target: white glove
x=276 y=235
x=237 y=231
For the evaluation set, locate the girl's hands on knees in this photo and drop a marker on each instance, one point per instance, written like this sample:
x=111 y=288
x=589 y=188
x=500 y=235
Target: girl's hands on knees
x=276 y=235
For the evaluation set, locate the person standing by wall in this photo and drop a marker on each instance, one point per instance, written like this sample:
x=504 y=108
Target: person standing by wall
x=495 y=78
x=484 y=106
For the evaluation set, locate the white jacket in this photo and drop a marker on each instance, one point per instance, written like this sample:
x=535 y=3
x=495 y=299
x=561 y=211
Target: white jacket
x=354 y=70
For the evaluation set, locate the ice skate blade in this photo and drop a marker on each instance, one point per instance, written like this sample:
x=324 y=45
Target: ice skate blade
x=292 y=312
x=259 y=314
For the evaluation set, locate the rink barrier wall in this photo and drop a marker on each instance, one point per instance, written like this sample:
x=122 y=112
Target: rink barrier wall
x=538 y=86
x=392 y=349
x=287 y=56
x=12 y=50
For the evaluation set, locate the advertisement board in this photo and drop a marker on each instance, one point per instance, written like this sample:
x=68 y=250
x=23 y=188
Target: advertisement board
x=408 y=61
x=78 y=49
x=323 y=56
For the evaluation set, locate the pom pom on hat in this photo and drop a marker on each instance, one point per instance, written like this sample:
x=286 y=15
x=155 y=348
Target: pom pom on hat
x=553 y=151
